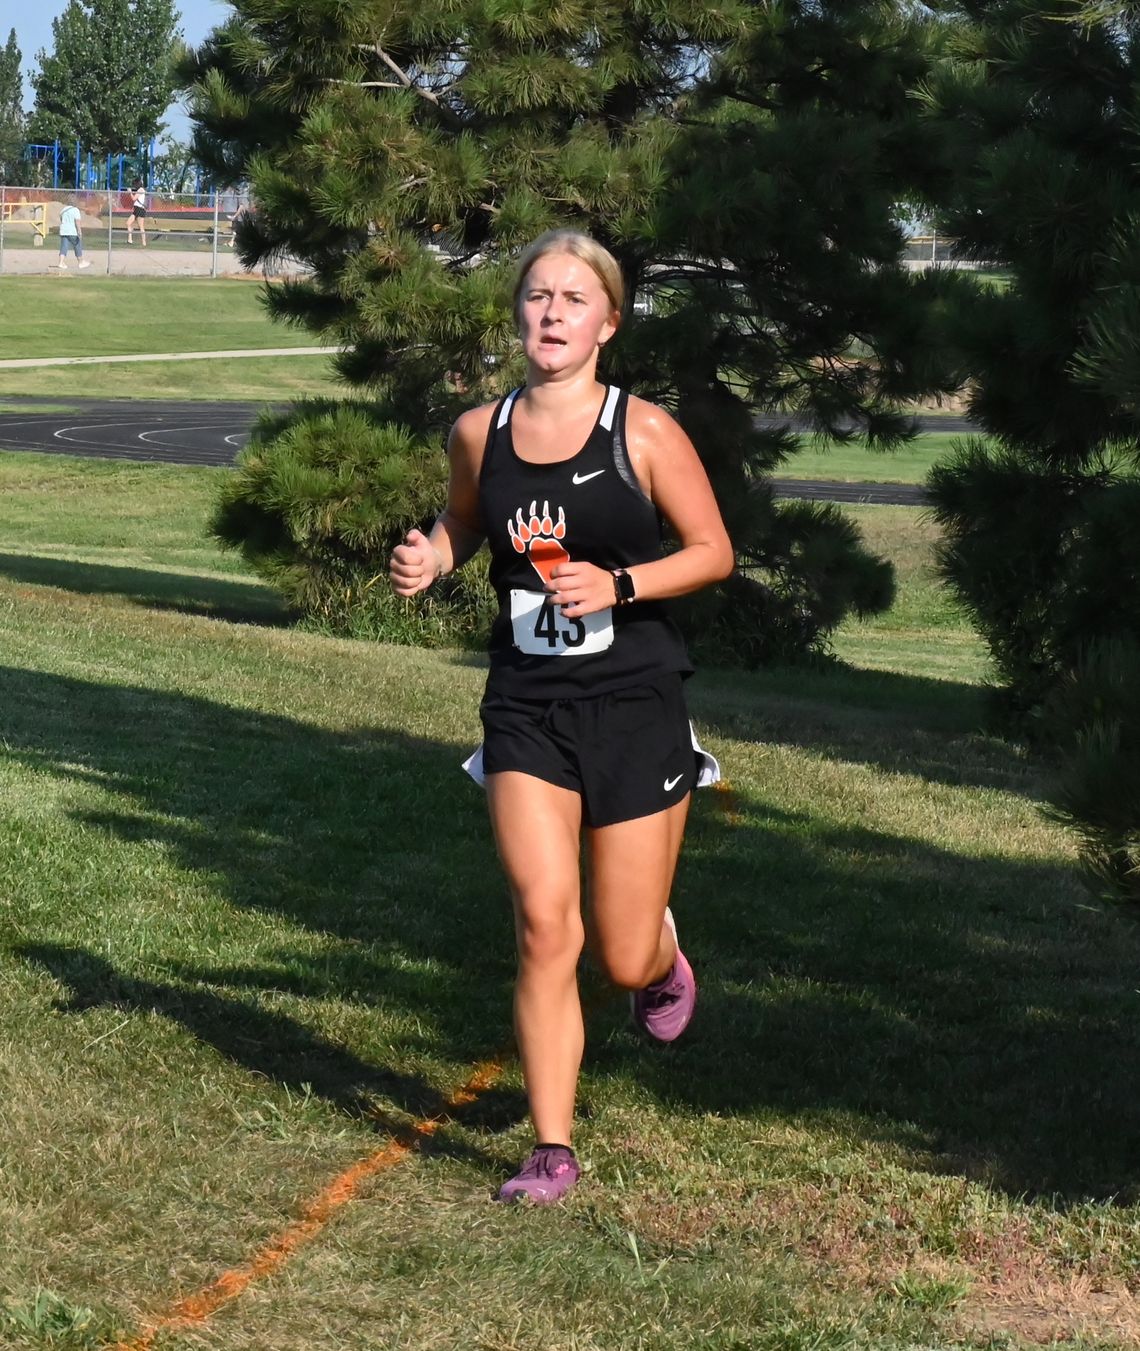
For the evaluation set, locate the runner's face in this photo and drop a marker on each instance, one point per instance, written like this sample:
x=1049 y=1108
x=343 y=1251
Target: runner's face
x=564 y=314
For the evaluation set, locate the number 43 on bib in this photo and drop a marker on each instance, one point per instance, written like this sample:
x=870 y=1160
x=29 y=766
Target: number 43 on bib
x=542 y=630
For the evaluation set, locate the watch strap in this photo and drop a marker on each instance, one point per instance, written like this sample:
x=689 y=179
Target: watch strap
x=624 y=591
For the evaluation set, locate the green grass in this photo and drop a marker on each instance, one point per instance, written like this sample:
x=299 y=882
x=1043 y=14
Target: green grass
x=857 y=464
x=136 y=531
x=923 y=634
x=126 y=316
x=165 y=232
x=249 y=378
x=19 y=406
x=123 y=316
x=252 y=927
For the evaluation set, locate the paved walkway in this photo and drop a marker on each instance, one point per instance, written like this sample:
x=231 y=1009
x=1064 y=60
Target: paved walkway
x=13 y=363
x=157 y=261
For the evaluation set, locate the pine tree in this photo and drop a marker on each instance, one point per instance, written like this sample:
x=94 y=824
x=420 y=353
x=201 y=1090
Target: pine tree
x=11 y=111
x=110 y=75
x=1038 y=115
x=741 y=162
x=1038 y=122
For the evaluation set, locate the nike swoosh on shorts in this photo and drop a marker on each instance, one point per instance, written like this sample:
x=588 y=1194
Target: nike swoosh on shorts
x=670 y=784
x=585 y=478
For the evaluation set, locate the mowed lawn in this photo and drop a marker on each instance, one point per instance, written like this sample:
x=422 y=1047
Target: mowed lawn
x=73 y=315
x=854 y=463
x=254 y=935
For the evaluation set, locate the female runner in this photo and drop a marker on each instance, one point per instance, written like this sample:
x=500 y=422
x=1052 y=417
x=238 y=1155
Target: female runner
x=584 y=716
x=138 y=212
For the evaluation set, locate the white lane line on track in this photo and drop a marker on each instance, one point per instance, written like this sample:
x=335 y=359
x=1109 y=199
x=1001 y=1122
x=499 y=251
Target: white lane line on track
x=61 y=434
x=176 y=431
x=44 y=421
x=80 y=435
x=29 y=422
x=235 y=438
x=96 y=444
x=21 y=363
x=81 y=427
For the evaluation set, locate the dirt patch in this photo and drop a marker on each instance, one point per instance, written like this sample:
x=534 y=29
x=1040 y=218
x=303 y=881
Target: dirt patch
x=1001 y=1274
x=1053 y=1313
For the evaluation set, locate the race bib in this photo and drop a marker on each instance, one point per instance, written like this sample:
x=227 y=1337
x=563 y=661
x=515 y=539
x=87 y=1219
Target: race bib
x=542 y=630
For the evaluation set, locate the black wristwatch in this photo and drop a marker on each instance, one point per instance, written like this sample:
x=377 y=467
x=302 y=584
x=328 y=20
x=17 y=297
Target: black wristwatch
x=623 y=587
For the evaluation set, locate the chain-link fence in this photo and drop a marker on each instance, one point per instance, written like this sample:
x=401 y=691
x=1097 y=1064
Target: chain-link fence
x=135 y=233
x=191 y=234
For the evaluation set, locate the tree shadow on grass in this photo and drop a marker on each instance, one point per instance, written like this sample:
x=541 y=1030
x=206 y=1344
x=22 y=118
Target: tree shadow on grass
x=899 y=723
x=967 y=1006
x=341 y=832
x=216 y=598
x=272 y=1045
x=975 y=1009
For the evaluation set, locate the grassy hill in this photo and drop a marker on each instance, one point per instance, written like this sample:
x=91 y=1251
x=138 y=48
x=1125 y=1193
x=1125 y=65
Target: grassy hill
x=255 y=946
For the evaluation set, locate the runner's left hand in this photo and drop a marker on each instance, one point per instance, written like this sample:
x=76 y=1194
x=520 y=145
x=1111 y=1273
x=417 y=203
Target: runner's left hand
x=581 y=588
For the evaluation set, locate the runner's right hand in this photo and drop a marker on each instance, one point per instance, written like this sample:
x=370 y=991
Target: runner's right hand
x=414 y=565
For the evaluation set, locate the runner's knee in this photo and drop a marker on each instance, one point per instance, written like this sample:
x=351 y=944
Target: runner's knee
x=628 y=967
x=549 y=935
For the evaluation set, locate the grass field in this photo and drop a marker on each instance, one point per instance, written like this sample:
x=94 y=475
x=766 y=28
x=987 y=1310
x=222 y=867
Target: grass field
x=271 y=379
x=107 y=316
x=856 y=464
x=165 y=230
x=254 y=933
x=124 y=316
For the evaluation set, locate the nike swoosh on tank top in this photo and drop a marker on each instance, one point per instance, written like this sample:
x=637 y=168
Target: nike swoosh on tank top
x=589 y=508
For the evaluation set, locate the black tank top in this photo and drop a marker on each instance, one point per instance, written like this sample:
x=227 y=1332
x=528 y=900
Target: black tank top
x=589 y=507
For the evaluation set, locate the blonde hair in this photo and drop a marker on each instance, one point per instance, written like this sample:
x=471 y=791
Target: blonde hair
x=600 y=261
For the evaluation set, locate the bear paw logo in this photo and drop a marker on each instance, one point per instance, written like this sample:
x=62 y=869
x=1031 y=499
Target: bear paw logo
x=538 y=537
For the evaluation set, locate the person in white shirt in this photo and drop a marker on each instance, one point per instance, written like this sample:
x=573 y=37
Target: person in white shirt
x=71 y=236
x=138 y=212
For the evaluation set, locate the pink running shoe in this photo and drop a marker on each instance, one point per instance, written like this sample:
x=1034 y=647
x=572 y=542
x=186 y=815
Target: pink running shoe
x=546 y=1176
x=664 y=1009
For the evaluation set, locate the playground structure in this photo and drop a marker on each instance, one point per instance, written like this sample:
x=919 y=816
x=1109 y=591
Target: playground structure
x=71 y=166
x=34 y=214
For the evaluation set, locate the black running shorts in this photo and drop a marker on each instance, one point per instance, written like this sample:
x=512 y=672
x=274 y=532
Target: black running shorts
x=628 y=753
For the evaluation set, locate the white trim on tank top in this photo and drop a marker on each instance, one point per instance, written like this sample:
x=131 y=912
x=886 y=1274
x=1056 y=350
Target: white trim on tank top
x=606 y=420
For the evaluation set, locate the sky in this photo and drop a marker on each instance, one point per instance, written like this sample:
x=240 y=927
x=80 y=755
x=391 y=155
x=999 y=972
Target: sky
x=32 y=20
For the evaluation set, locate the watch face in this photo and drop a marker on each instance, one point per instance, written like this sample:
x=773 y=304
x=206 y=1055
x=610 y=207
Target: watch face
x=624 y=587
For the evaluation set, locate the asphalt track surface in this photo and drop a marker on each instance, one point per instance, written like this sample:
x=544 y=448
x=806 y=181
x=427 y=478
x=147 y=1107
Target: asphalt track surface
x=213 y=433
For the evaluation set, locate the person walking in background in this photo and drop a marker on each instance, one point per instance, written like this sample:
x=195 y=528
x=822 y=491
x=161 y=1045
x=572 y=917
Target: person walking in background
x=243 y=212
x=71 y=236
x=585 y=727
x=138 y=212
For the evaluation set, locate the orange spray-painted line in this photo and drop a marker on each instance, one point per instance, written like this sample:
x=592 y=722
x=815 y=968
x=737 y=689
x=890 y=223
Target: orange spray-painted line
x=728 y=802
x=230 y=1284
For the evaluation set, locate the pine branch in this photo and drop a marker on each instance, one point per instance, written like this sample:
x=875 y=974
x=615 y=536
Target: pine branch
x=406 y=82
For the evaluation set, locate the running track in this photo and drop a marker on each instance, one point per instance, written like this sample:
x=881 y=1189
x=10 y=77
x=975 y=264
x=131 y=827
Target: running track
x=212 y=434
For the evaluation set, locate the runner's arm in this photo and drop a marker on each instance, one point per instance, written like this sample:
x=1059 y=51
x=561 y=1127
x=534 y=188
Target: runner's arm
x=671 y=474
x=457 y=534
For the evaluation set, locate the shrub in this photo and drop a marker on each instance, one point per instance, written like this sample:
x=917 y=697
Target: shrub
x=321 y=497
